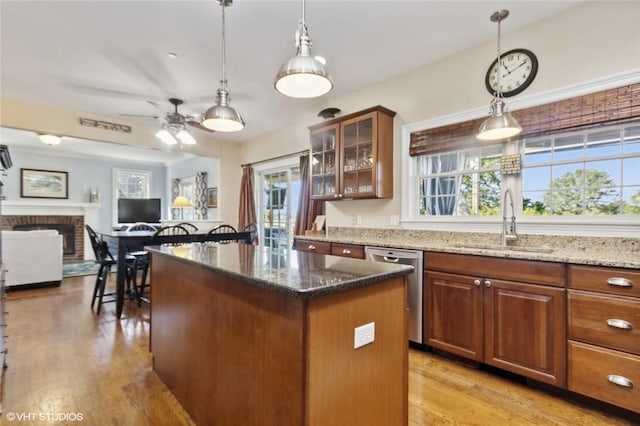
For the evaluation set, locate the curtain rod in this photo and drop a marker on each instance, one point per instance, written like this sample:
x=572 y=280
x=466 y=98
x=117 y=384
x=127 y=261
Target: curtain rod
x=280 y=157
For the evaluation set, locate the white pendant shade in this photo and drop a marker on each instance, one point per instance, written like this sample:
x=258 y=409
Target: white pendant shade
x=50 y=139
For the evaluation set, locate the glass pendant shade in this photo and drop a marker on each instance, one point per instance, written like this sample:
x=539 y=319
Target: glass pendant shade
x=165 y=136
x=185 y=137
x=500 y=125
x=221 y=117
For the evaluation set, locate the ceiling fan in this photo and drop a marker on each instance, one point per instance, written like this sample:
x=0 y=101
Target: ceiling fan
x=175 y=129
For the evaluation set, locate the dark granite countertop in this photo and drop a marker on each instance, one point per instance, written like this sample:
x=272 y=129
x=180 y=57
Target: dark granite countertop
x=294 y=272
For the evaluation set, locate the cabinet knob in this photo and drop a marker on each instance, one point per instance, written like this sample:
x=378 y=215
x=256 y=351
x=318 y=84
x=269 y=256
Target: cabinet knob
x=619 y=323
x=620 y=380
x=619 y=282
x=487 y=283
x=477 y=283
x=346 y=251
x=335 y=195
x=311 y=247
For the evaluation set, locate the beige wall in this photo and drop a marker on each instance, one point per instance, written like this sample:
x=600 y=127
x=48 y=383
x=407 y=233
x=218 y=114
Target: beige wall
x=587 y=42
x=594 y=40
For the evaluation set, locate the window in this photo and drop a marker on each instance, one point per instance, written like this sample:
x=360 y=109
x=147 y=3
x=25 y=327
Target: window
x=578 y=173
x=187 y=189
x=129 y=184
x=590 y=172
x=460 y=183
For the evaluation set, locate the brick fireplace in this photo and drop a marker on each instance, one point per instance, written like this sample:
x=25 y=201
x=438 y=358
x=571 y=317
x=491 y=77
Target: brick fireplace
x=71 y=227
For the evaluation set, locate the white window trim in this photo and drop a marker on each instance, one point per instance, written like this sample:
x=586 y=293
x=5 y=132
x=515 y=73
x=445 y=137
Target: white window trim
x=607 y=226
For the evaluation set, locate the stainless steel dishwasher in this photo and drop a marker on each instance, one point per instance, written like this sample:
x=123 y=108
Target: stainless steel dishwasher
x=414 y=284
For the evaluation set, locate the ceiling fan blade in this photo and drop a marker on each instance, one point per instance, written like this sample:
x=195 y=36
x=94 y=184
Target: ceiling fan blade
x=155 y=117
x=197 y=125
x=158 y=106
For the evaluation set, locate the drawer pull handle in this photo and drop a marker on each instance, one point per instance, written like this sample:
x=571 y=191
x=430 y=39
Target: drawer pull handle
x=346 y=251
x=618 y=323
x=620 y=380
x=619 y=282
x=312 y=247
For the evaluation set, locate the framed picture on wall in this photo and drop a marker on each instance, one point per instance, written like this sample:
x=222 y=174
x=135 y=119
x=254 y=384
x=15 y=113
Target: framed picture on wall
x=212 y=198
x=43 y=184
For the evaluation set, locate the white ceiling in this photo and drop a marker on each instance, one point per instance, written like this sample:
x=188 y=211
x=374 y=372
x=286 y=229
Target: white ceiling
x=111 y=57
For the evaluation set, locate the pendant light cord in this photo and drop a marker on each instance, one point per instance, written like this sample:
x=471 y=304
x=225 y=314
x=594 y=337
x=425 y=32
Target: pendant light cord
x=498 y=72
x=223 y=82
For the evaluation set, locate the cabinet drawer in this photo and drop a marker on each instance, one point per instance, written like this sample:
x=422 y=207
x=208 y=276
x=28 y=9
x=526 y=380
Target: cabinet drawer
x=347 y=250
x=593 y=371
x=624 y=282
x=321 y=247
x=610 y=321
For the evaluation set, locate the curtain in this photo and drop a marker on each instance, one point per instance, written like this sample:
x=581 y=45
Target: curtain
x=308 y=209
x=200 y=196
x=247 y=210
x=175 y=191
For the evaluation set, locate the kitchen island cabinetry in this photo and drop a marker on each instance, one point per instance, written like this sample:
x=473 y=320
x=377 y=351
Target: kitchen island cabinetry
x=239 y=342
x=352 y=156
x=604 y=334
x=503 y=312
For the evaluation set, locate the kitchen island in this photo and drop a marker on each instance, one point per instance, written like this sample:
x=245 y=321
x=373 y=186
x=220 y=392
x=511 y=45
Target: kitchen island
x=242 y=334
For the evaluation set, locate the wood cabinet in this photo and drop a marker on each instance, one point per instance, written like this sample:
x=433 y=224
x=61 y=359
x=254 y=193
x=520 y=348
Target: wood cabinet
x=355 y=251
x=352 y=156
x=604 y=334
x=482 y=309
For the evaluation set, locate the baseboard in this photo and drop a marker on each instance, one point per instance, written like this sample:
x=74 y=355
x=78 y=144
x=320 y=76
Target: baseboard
x=33 y=285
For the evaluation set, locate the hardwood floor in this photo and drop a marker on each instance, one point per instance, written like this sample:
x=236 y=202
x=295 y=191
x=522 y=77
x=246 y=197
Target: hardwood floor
x=64 y=359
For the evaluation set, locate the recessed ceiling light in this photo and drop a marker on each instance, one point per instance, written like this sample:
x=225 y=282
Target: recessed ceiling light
x=173 y=55
x=50 y=139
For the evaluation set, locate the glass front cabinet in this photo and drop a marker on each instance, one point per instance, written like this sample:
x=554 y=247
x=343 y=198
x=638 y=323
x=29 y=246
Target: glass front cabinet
x=352 y=156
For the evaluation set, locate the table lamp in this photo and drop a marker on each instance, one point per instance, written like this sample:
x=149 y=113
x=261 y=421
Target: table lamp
x=180 y=202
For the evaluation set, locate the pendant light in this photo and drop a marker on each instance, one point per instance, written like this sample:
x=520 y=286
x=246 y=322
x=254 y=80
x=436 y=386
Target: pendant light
x=500 y=124
x=221 y=117
x=303 y=76
x=50 y=139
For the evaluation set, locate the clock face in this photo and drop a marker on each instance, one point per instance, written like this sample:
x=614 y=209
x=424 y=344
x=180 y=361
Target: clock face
x=517 y=70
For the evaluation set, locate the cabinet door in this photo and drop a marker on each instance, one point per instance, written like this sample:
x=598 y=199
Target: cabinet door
x=325 y=179
x=525 y=329
x=453 y=314
x=358 y=156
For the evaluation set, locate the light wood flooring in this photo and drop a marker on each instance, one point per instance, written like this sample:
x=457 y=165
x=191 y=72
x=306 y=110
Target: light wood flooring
x=64 y=359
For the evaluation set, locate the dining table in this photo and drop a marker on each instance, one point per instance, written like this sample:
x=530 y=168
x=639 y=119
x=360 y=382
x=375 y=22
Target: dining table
x=125 y=239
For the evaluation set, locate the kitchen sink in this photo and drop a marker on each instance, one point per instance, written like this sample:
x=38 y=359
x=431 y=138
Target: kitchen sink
x=498 y=247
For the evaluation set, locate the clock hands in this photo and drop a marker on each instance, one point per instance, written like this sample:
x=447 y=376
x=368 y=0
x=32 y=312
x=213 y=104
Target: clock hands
x=521 y=64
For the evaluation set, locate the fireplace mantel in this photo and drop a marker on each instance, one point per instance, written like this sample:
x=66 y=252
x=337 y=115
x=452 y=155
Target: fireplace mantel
x=46 y=207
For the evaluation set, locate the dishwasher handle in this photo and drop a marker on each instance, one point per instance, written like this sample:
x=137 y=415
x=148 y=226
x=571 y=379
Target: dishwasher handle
x=390 y=259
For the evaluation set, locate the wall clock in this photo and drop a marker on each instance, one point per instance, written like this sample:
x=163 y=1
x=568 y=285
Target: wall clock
x=518 y=70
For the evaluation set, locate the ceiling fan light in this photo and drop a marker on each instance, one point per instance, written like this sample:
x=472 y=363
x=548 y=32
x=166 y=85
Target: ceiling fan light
x=166 y=137
x=50 y=139
x=185 y=137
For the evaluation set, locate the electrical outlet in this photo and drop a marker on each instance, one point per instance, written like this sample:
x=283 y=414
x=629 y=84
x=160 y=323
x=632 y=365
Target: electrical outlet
x=395 y=219
x=364 y=335
x=358 y=220
x=354 y=220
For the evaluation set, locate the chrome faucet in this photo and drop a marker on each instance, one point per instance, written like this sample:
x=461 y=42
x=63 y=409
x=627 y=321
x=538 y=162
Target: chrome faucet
x=508 y=229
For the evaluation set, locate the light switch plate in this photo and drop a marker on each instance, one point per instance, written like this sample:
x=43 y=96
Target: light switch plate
x=364 y=335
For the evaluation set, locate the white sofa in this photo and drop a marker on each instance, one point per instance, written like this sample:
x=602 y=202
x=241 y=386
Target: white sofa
x=32 y=258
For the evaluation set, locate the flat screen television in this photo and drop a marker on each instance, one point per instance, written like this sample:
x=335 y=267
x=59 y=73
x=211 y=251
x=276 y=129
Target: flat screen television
x=132 y=210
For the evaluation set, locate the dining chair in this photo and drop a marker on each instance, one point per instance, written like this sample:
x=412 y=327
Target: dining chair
x=252 y=229
x=224 y=229
x=105 y=259
x=162 y=231
x=189 y=226
x=141 y=260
